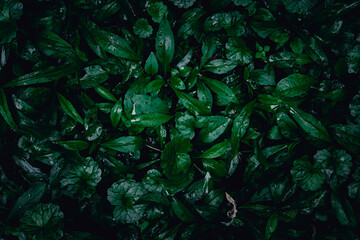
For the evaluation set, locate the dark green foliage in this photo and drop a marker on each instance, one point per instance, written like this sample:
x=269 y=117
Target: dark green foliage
x=179 y=119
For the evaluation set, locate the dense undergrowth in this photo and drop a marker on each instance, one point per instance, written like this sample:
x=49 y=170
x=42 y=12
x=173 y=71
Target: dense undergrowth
x=179 y=119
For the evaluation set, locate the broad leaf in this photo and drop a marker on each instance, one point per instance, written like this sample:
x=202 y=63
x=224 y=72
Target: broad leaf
x=124 y=144
x=114 y=44
x=165 y=45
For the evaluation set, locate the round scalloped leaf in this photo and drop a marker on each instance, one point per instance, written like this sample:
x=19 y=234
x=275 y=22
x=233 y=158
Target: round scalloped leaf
x=307 y=176
x=42 y=222
x=157 y=10
x=142 y=28
x=183 y=3
x=123 y=195
x=82 y=179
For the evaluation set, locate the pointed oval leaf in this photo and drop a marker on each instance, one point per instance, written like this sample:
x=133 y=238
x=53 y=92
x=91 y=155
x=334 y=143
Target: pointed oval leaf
x=220 y=66
x=221 y=89
x=216 y=151
x=165 y=45
x=151 y=65
x=5 y=111
x=193 y=105
x=294 y=85
x=105 y=93
x=69 y=109
x=43 y=76
x=74 y=145
x=116 y=112
x=150 y=119
x=182 y=212
x=114 y=44
x=28 y=199
x=240 y=125
x=94 y=75
x=124 y=144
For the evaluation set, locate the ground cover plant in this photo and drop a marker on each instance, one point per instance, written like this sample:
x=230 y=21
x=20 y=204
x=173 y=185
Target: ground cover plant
x=179 y=119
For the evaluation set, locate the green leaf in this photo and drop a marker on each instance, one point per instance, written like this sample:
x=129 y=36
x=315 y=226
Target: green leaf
x=190 y=23
x=43 y=221
x=151 y=65
x=240 y=125
x=176 y=82
x=181 y=211
x=73 y=144
x=5 y=111
x=353 y=58
x=336 y=165
x=238 y=52
x=48 y=74
x=183 y=3
x=192 y=104
x=271 y=225
x=307 y=176
x=28 y=199
x=154 y=85
x=124 y=144
x=123 y=195
x=114 y=44
x=208 y=49
x=204 y=95
x=220 y=66
x=103 y=92
x=301 y=6
x=142 y=28
x=310 y=124
x=214 y=127
x=223 y=91
x=94 y=76
x=116 y=113
x=184 y=124
x=216 y=167
x=343 y=210
x=264 y=76
x=297 y=45
x=69 y=109
x=150 y=119
x=165 y=45
x=294 y=85
x=216 y=151
x=53 y=45
x=174 y=158
x=347 y=136
x=82 y=178
x=157 y=11
x=242 y=3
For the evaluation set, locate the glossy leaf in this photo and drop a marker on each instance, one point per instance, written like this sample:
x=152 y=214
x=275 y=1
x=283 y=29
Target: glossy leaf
x=49 y=74
x=5 y=111
x=151 y=64
x=114 y=44
x=150 y=119
x=69 y=109
x=165 y=45
x=192 y=104
x=105 y=93
x=240 y=126
x=220 y=66
x=116 y=113
x=216 y=151
x=294 y=85
x=94 y=76
x=28 y=199
x=74 y=144
x=124 y=144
